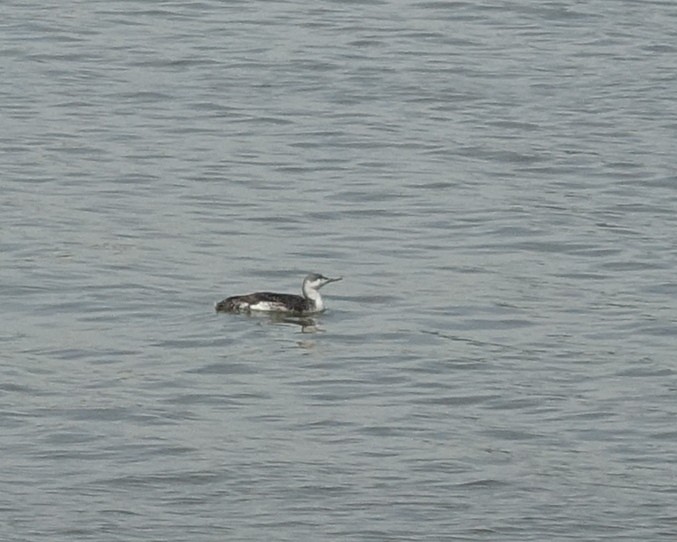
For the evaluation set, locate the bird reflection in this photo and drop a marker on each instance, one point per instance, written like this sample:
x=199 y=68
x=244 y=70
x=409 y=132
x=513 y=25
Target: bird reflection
x=307 y=324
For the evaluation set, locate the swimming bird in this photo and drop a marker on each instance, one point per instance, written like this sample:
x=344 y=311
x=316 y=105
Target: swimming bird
x=310 y=302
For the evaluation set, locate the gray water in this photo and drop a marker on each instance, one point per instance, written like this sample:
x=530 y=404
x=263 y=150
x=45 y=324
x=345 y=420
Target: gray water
x=494 y=180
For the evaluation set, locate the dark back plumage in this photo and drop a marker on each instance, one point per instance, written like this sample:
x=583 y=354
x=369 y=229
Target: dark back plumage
x=285 y=302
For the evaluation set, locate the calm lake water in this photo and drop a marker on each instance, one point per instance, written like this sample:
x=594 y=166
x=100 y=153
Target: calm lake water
x=496 y=182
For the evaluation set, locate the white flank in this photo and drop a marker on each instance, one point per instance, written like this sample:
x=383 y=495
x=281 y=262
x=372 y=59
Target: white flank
x=267 y=306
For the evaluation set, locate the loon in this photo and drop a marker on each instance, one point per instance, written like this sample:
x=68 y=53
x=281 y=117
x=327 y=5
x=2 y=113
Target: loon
x=311 y=301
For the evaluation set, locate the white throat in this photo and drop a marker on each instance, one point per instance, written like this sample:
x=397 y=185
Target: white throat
x=314 y=296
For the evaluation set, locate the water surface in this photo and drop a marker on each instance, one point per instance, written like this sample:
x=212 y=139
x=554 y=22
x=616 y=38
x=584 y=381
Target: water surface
x=495 y=182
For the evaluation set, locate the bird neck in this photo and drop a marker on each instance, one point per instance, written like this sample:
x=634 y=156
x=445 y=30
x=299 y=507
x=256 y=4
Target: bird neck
x=314 y=297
